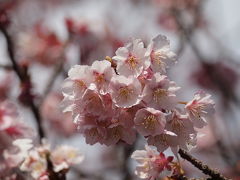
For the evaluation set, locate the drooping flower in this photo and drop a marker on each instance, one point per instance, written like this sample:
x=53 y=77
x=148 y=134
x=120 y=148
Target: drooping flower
x=161 y=57
x=115 y=133
x=149 y=121
x=131 y=59
x=159 y=93
x=125 y=92
x=200 y=109
x=151 y=163
x=164 y=141
x=182 y=126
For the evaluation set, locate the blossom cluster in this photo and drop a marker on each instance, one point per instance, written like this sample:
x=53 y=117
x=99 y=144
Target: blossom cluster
x=113 y=99
x=36 y=160
x=11 y=128
x=151 y=163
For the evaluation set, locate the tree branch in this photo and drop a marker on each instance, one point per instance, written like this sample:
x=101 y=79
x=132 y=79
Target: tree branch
x=17 y=69
x=203 y=167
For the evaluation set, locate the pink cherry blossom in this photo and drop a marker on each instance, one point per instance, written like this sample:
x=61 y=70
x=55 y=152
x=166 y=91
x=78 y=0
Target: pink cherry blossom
x=149 y=121
x=131 y=59
x=164 y=141
x=182 y=126
x=16 y=154
x=111 y=102
x=151 y=163
x=115 y=133
x=160 y=55
x=102 y=74
x=200 y=109
x=10 y=122
x=78 y=81
x=65 y=156
x=159 y=93
x=125 y=92
x=36 y=158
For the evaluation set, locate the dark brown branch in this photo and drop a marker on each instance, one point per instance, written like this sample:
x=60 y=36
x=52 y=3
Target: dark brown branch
x=17 y=69
x=203 y=167
x=57 y=71
x=182 y=177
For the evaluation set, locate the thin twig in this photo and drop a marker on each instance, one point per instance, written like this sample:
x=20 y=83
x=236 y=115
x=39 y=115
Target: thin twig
x=17 y=69
x=203 y=167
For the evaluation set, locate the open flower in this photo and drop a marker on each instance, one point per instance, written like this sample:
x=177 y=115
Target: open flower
x=78 y=81
x=200 y=109
x=159 y=93
x=14 y=156
x=125 y=92
x=131 y=60
x=182 y=126
x=149 y=121
x=65 y=156
x=164 y=141
x=102 y=74
x=36 y=159
x=161 y=57
x=151 y=163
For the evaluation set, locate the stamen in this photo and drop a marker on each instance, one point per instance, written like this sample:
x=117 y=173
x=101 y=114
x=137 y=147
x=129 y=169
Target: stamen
x=132 y=62
x=158 y=94
x=150 y=122
x=125 y=92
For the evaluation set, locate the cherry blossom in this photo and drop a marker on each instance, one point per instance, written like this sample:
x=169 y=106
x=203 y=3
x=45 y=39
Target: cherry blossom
x=35 y=159
x=161 y=56
x=159 y=93
x=10 y=122
x=151 y=163
x=131 y=59
x=125 y=92
x=78 y=81
x=200 y=109
x=102 y=73
x=65 y=156
x=149 y=121
x=163 y=141
x=112 y=102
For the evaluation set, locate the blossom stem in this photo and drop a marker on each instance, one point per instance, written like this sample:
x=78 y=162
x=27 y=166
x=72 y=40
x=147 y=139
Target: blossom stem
x=17 y=69
x=182 y=102
x=201 y=166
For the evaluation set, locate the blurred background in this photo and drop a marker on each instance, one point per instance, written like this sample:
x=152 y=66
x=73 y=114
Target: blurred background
x=50 y=36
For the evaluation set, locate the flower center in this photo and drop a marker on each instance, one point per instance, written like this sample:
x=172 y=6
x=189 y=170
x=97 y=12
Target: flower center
x=99 y=78
x=150 y=122
x=116 y=132
x=158 y=94
x=125 y=92
x=157 y=58
x=80 y=84
x=177 y=125
x=162 y=139
x=132 y=62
